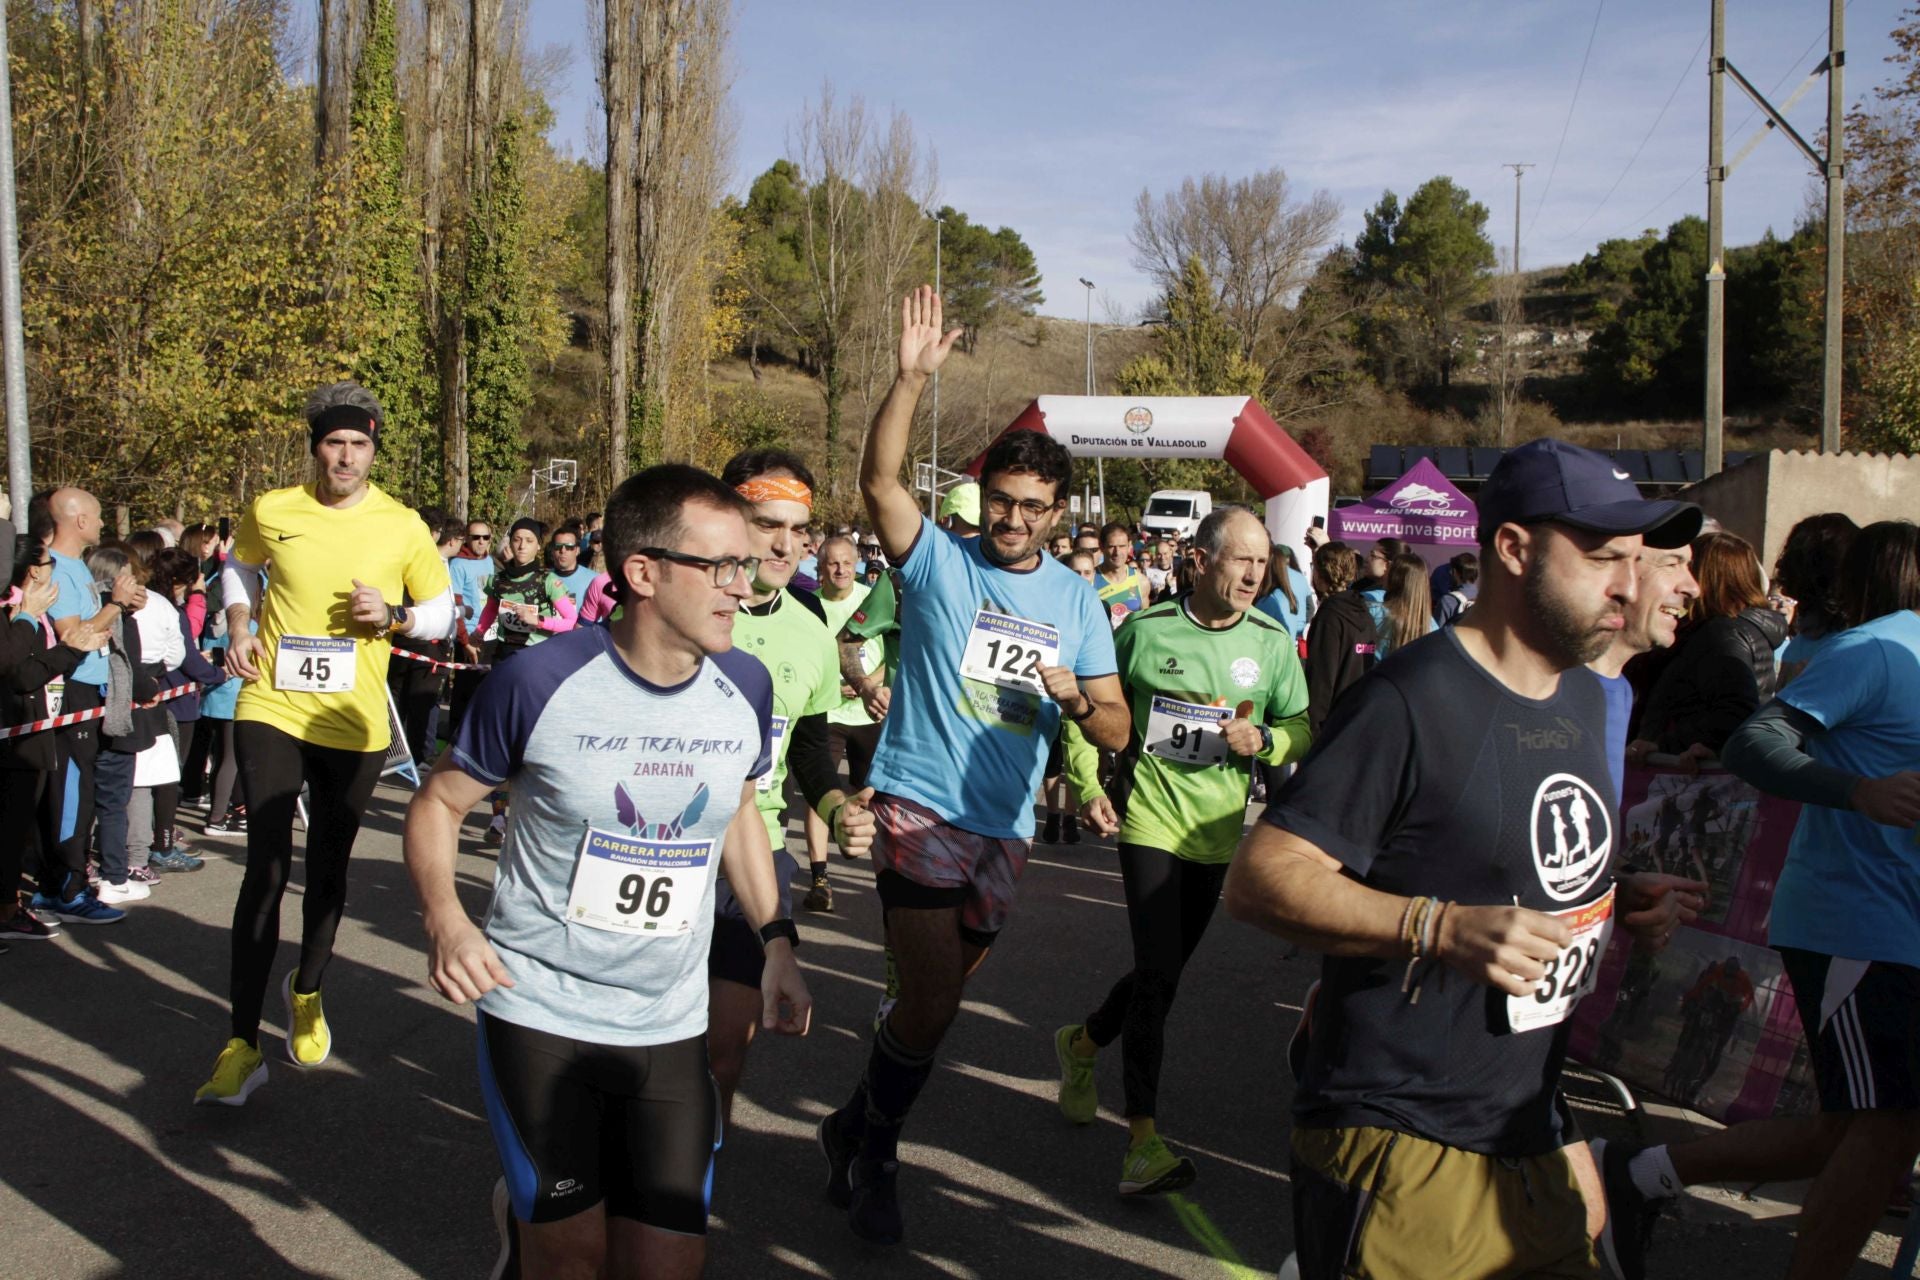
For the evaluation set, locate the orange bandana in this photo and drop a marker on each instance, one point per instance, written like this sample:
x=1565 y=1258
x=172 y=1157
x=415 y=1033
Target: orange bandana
x=775 y=489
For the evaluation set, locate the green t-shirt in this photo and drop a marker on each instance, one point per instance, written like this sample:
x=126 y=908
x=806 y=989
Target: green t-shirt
x=800 y=654
x=872 y=652
x=878 y=617
x=1189 y=792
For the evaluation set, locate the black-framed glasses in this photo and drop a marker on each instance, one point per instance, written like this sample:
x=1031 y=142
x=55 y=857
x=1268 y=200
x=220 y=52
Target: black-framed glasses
x=722 y=569
x=1000 y=504
x=479 y=537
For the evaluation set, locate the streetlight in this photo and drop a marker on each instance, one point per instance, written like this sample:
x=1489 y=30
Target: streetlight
x=933 y=460
x=1099 y=464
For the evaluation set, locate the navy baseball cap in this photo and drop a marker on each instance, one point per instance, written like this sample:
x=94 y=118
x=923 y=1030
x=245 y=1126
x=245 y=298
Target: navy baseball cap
x=1550 y=479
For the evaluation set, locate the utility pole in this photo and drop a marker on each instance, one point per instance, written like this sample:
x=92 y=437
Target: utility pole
x=1518 y=169
x=19 y=440
x=1713 y=442
x=933 y=470
x=1836 y=170
x=1099 y=464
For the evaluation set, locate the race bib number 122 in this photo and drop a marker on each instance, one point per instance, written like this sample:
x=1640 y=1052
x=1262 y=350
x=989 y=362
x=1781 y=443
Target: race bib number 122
x=1009 y=651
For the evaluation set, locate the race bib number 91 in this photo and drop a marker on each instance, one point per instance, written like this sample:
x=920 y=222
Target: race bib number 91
x=314 y=664
x=644 y=888
x=1571 y=974
x=1186 y=732
x=1009 y=651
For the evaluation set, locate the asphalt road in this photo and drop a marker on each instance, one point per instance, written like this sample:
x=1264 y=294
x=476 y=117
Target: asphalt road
x=379 y=1163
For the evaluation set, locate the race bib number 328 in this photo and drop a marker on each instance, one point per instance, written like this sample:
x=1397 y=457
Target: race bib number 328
x=314 y=664
x=1571 y=975
x=645 y=888
x=1009 y=651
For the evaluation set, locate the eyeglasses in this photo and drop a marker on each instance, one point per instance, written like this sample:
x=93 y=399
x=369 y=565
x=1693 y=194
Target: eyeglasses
x=1000 y=504
x=722 y=569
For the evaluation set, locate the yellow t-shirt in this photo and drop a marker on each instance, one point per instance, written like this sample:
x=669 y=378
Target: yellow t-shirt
x=313 y=553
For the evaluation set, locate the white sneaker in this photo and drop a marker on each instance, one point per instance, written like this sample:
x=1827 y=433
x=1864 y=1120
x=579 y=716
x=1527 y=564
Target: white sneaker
x=131 y=891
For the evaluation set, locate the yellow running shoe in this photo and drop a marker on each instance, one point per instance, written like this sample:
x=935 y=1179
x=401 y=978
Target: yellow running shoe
x=309 y=1043
x=238 y=1073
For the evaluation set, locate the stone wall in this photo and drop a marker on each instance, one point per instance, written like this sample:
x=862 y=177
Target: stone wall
x=1763 y=498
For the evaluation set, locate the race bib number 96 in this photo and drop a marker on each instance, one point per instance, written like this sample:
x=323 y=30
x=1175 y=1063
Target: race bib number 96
x=1186 y=732
x=1570 y=975
x=314 y=664
x=644 y=888
x=1009 y=651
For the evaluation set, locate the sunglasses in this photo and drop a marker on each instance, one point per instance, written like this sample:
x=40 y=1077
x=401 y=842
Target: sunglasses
x=479 y=537
x=566 y=546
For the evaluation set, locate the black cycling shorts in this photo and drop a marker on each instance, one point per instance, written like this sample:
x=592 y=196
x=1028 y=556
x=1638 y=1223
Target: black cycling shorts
x=1862 y=1024
x=735 y=954
x=577 y=1124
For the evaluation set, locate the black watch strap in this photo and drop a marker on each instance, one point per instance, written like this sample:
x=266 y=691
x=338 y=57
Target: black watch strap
x=781 y=928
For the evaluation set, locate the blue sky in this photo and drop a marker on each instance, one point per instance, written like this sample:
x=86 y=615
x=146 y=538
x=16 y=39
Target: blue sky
x=1050 y=115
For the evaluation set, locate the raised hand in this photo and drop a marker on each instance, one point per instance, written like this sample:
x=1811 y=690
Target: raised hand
x=922 y=347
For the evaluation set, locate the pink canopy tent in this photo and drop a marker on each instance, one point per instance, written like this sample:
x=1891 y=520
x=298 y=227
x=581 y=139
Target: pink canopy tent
x=1420 y=508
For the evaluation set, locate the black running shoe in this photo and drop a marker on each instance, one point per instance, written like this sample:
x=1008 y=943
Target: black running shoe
x=1050 y=833
x=839 y=1148
x=1070 y=830
x=874 y=1213
x=1630 y=1214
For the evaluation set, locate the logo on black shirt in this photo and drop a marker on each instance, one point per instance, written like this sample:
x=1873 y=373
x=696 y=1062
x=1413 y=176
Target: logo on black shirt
x=1572 y=836
x=1564 y=738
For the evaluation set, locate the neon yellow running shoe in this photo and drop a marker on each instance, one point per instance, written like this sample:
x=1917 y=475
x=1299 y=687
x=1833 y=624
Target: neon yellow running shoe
x=309 y=1043
x=1079 y=1097
x=237 y=1074
x=1150 y=1170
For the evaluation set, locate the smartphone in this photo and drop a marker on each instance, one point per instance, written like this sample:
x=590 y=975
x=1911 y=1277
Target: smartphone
x=1319 y=522
x=226 y=528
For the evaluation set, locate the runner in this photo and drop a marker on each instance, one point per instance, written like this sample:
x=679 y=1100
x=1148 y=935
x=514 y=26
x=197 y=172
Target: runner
x=777 y=628
x=1124 y=590
x=1453 y=813
x=998 y=643
x=1214 y=687
x=633 y=749
x=852 y=733
x=314 y=710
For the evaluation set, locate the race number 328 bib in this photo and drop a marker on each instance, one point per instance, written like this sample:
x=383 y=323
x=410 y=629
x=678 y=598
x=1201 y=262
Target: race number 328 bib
x=644 y=888
x=1009 y=651
x=314 y=664
x=1186 y=731
x=1571 y=974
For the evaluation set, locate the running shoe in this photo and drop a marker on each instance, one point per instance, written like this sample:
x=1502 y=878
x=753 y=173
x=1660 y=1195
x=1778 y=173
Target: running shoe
x=874 y=1209
x=1069 y=830
x=820 y=897
x=131 y=891
x=143 y=875
x=1150 y=1169
x=1050 y=832
x=234 y=824
x=239 y=1071
x=1630 y=1214
x=507 y=1265
x=176 y=859
x=1079 y=1097
x=496 y=834
x=24 y=926
x=309 y=1042
x=839 y=1148
x=84 y=908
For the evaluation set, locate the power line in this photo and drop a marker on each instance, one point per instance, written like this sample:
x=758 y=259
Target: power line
x=1677 y=86
x=1579 y=80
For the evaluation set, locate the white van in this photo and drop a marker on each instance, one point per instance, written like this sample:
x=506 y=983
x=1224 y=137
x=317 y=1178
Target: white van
x=1176 y=512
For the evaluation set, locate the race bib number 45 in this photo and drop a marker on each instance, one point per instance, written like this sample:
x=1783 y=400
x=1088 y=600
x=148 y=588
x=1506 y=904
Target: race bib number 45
x=314 y=664
x=644 y=888
x=1571 y=974
x=1186 y=731
x=1009 y=651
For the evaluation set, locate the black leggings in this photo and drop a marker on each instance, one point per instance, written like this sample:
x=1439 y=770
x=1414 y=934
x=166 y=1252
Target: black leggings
x=226 y=770
x=272 y=766
x=28 y=809
x=1169 y=904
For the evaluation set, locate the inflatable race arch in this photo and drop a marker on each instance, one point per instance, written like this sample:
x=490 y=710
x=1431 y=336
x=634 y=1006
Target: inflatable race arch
x=1233 y=428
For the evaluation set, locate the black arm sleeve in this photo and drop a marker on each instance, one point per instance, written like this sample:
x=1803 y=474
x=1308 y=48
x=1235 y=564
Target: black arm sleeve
x=809 y=760
x=1769 y=751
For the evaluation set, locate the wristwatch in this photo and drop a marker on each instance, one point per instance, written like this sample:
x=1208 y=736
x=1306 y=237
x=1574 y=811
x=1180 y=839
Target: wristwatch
x=1266 y=738
x=396 y=619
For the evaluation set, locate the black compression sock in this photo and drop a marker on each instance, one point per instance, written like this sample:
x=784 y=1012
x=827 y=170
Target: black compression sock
x=895 y=1076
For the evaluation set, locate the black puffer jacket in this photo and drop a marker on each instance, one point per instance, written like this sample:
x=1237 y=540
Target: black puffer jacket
x=29 y=661
x=1342 y=646
x=1722 y=670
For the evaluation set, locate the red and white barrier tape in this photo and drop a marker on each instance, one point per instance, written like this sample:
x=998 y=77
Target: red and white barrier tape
x=411 y=656
x=80 y=717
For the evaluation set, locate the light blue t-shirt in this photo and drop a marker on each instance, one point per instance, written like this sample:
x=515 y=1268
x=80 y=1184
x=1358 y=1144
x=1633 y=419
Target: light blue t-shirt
x=78 y=598
x=622 y=792
x=1851 y=887
x=972 y=751
x=1274 y=604
x=1619 y=694
x=577 y=583
x=470 y=578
